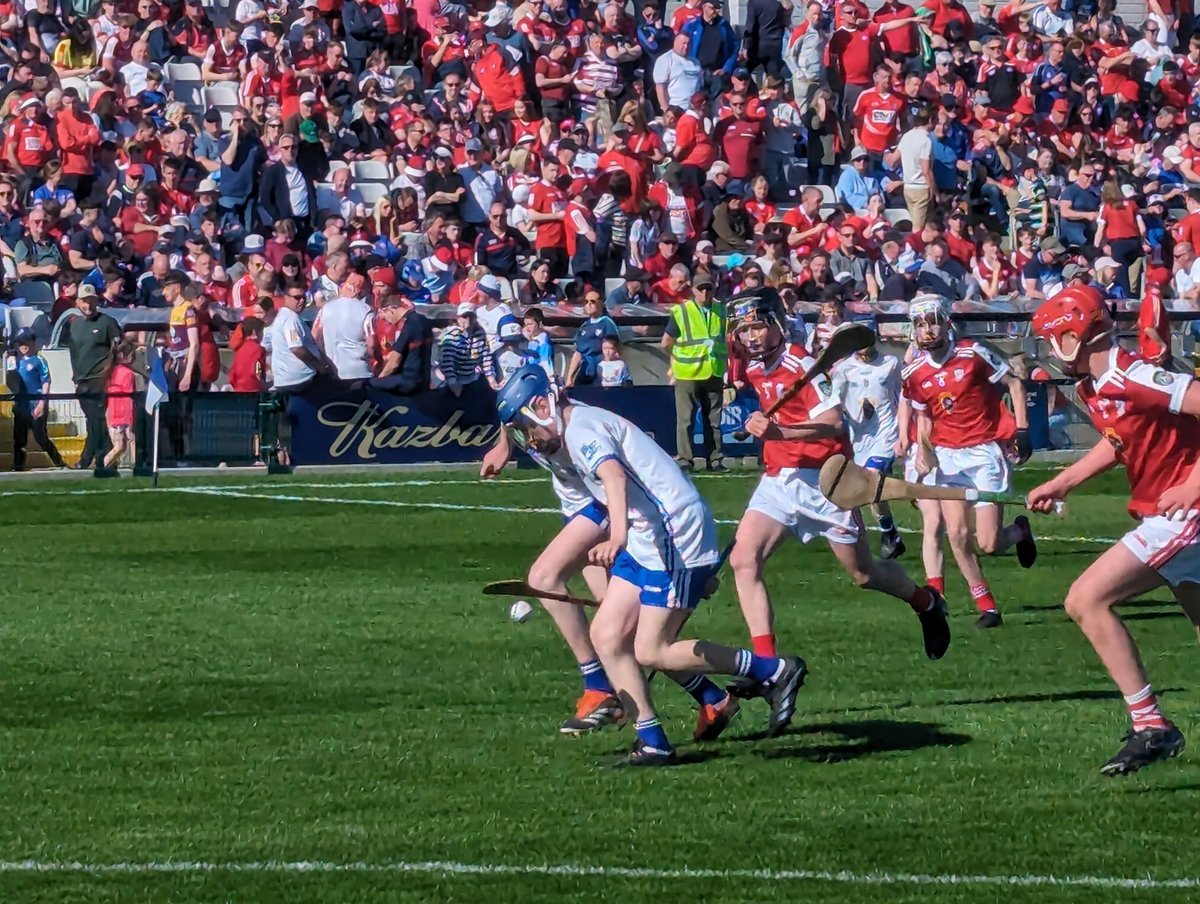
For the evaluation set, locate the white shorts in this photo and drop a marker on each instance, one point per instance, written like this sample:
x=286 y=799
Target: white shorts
x=982 y=467
x=794 y=499
x=1172 y=548
x=910 y=465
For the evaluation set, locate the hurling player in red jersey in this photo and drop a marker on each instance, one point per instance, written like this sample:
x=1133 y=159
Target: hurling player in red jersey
x=1147 y=418
x=788 y=501
x=955 y=388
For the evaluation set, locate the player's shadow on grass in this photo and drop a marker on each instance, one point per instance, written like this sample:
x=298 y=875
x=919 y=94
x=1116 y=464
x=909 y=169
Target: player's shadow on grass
x=866 y=738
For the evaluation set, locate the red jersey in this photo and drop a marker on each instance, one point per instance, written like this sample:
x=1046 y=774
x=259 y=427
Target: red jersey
x=855 y=53
x=1136 y=406
x=899 y=41
x=878 y=119
x=1153 y=315
x=247 y=371
x=662 y=293
x=961 y=248
x=31 y=143
x=960 y=394
x=813 y=400
x=546 y=198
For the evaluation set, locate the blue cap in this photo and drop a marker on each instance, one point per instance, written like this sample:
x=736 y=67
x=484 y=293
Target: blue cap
x=526 y=384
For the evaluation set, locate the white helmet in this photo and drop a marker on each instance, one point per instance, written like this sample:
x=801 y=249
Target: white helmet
x=930 y=317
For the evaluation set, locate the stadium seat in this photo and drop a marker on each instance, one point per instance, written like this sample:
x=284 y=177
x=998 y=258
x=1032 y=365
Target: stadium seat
x=370 y=171
x=897 y=215
x=188 y=93
x=401 y=70
x=371 y=191
x=611 y=284
x=182 y=72
x=37 y=294
x=223 y=96
x=17 y=319
x=828 y=198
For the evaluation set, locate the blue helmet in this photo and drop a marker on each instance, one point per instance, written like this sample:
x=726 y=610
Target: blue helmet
x=518 y=392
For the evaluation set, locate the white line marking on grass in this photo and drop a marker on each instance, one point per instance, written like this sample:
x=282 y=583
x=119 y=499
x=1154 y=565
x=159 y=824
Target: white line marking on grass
x=570 y=870
x=114 y=489
x=458 y=507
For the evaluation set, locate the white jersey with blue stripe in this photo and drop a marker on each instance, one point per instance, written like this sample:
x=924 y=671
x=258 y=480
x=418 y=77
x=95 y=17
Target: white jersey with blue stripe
x=670 y=525
x=573 y=494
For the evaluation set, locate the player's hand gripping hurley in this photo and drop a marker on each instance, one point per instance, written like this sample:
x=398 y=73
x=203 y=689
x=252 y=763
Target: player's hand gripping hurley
x=845 y=341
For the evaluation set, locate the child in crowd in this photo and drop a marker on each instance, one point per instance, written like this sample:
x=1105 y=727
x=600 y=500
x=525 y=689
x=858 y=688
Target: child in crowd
x=29 y=378
x=538 y=345
x=613 y=369
x=248 y=372
x=121 y=385
x=512 y=354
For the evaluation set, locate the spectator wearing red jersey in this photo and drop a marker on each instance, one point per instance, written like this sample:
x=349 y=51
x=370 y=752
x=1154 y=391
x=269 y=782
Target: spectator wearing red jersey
x=1120 y=227
x=29 y=145
x=497 y=72
x=546 y=207
x=877 y=116
x=694 y=148
x=674 y=289
x=619 y=158
x=854 y=51
x=740 y=139
x=248 y=371
x=77 y=136
x=900 y=44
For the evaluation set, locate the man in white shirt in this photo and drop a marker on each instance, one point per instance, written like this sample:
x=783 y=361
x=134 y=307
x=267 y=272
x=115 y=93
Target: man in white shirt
x=135 y=71
x=676 y=76
x=491 y=309
x=916 y=162
x=483 y=184
x=1048 y=20
x=295 y=357
x=343 y=330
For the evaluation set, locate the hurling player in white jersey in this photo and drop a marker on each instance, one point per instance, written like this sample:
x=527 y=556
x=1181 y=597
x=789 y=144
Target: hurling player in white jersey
x=585 y=523
x=867 y=385
x=661 y=552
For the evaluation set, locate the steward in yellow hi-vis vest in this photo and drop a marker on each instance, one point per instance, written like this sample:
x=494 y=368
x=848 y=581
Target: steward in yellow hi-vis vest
x=695 y=338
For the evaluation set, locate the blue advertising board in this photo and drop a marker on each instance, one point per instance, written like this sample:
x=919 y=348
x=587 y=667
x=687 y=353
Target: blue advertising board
x=336 y=424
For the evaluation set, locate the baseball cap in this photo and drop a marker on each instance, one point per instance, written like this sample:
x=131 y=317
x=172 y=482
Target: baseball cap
x=86 y=290
x=136 y=170
x=1173 y=154
x=443 y=152
x=498 y=16
x=473 y=146
x=668 y=238
x=703 y=281
x=705 y=245
x=30 y=100
x=858 y=152
x=489 y=285
x=207 y=185
x=1072 y=271
x=163 y=247
x=943 y=58
x=464 y=309
x=1102 y=262
x=253 y=244
x=1062 y=105
x=213 y=115
x=742 y=73
x=308 y=97
x=1052 y=245
x=510 y=331
x=1155 y=199
x=176 y=278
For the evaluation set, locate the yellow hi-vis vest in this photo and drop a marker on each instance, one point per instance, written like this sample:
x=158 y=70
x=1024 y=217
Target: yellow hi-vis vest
x=699 y=352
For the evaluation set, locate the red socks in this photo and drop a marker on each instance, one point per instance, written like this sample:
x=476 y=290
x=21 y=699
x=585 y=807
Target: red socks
x=763 y=644
x=921 y=600
x=984 y=601
x=938 y=584
x=1144 y=711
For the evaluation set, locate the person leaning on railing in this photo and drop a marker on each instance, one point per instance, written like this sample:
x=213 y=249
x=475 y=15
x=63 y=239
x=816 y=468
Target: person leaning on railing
x=91 y=338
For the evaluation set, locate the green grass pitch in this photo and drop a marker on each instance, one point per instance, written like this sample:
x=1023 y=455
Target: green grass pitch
x=256 y=673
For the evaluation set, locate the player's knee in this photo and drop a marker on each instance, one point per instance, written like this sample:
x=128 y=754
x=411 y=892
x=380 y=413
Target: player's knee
x=606 y=638
x=544 y=576
x=745 y=562
x=1083 y=600
x=959 y=537
x=986 y=544
x=649 y=652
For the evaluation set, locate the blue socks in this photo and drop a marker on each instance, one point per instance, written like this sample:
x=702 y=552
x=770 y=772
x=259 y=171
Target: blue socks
x=651 y=734
x=703 y=691
x=594 y=678
x=760 y=668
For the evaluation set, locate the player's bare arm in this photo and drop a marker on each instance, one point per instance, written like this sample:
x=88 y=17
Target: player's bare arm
x=612 y=475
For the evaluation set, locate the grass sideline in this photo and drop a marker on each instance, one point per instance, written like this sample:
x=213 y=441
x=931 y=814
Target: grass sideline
x=197 y=677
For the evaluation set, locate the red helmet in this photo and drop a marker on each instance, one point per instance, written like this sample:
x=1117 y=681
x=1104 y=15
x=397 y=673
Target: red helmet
x=1072 y=320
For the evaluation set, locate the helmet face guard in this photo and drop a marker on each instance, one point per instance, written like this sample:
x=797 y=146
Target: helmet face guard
x=1071 y=322
x=930 y=318
x=517 y=404
x=758 y=311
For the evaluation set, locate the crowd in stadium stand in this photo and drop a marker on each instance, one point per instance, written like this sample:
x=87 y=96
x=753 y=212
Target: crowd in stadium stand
x=355 y=158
